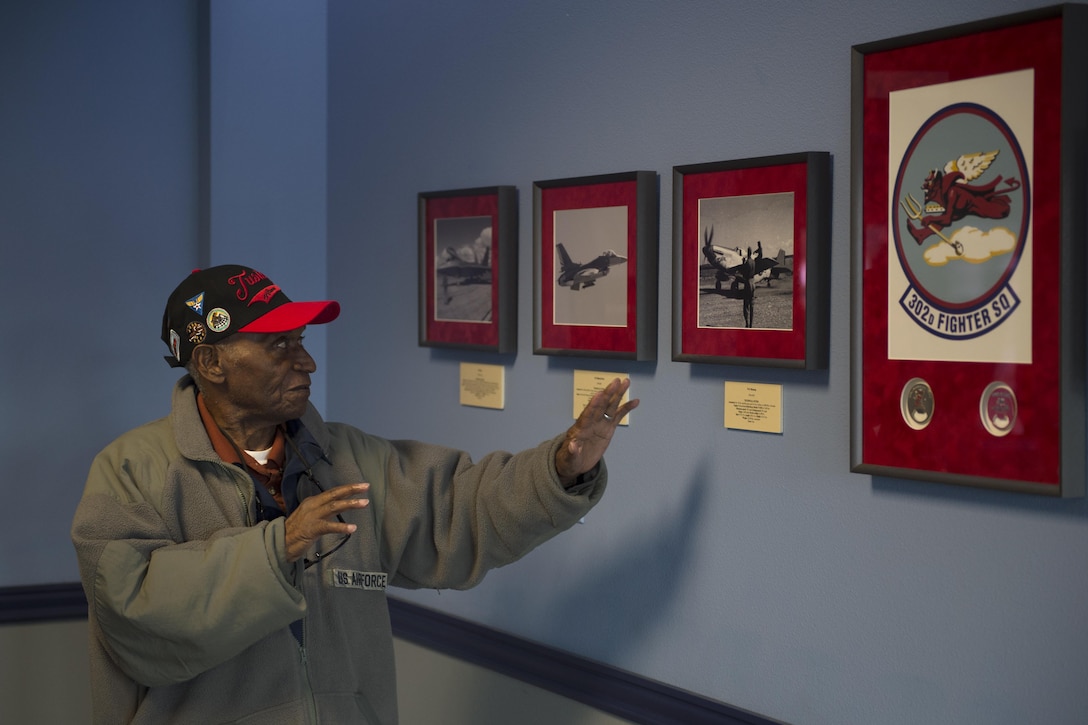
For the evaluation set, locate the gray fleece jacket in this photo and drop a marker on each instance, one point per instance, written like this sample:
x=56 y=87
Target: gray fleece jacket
x=192 y=601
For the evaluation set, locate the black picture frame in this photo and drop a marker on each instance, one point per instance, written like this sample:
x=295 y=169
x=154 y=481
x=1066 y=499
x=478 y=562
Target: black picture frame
x=724 y=212
x=602 y=224
x=958 y=377
x=468 y=259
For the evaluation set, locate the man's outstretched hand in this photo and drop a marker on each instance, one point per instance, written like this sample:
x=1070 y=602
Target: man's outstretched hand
x=588 y=438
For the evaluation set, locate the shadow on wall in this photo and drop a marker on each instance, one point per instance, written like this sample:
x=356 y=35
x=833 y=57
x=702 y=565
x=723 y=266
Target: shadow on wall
x=601 y=614
x=620 y=598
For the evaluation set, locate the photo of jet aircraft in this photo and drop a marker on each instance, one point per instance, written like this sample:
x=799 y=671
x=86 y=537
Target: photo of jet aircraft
x=577 y=275
x=464 y=266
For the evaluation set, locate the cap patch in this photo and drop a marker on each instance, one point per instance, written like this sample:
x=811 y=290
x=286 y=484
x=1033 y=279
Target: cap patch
x=219 y=320
x=175 y=344
x=196 y=303
x=195 y=333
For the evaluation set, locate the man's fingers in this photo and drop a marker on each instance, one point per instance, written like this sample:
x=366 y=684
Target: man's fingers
x=323 y=507
x=316 y=516
x=340 y=499
x=614 y=408
x=339 y=495
x=607 y=400
x=345 y=491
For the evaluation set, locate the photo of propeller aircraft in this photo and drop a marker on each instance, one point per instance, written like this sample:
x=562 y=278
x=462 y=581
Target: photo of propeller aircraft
x=739 y=268
x=728 y=275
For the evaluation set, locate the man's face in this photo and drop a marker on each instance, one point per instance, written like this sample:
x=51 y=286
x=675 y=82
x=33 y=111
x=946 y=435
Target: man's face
x=267 y=376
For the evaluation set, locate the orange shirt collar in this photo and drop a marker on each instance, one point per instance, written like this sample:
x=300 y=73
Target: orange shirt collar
x=269 y=475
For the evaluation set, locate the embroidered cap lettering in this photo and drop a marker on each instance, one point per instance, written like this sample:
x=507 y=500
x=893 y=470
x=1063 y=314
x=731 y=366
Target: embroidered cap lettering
x=244 y=280
x=265 y=295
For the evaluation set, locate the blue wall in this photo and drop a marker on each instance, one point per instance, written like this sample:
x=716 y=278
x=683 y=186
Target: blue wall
x=749 y=568
x=98 y=216
x=267 y=169
x=137 y=141
x=752 y=568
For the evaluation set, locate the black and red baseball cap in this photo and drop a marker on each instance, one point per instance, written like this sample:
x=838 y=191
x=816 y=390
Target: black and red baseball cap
x=212 y=304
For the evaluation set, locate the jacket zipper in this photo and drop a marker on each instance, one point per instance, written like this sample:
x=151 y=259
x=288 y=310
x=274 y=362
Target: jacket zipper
x=245 y=503
x=241 y=494
x=311 y=700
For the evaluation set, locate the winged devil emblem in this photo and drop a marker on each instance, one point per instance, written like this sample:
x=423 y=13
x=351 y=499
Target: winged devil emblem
x=950 y=196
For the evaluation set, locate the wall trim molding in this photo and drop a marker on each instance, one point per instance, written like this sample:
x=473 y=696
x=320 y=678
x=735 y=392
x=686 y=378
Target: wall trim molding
x=608 y=689
x=42 y=603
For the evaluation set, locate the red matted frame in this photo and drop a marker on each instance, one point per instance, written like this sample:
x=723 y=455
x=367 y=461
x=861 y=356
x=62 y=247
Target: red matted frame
x=587 y=313
x=774 y=212
x=971 y=374
x=468 y=260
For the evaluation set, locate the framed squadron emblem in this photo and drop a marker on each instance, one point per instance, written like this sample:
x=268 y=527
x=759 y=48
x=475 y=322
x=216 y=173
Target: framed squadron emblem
x=958 y=249
x=968 y=254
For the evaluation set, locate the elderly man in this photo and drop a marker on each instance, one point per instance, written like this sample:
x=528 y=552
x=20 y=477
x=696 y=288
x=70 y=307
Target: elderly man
x=235 y=554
